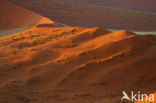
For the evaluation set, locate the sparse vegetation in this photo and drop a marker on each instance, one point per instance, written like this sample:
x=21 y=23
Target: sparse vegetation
x=102 y=83
x=33 y=69
x=63 y=80
x=129 y=53
x=109 y=72
x=73 y=31
x=82 y=53
x=0 y=22
x=154 y=43
x=15 y=39
x=14 y=51
x=82 y=94
x=15 y=81
x=14 y=67
x=4 y=23
x=6 y=64
x=56 y=95
x=38 y=42
x=121 y=61
x=7 y=24
x=79 y=77
x=24 y=99
x=109 y=95
x=66 y=62
x=93 y=57
x=70 y=45
x=100 y=61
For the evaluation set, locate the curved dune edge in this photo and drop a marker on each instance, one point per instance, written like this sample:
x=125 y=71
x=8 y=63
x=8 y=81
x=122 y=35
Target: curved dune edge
x=13 y=16
x=73 y=62
x=20 y=20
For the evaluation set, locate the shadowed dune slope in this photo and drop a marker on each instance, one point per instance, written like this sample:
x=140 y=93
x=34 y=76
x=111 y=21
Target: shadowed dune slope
x=13 y=16
x=75 y=65
x=42 y=22
x=130 y=4
x=84 y=15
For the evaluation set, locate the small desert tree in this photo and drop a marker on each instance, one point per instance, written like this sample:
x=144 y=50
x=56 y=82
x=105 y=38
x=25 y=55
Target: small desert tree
x=0 y=22
x=7 y=24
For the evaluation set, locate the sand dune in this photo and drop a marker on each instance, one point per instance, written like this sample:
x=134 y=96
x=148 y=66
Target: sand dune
x=20 y=19
x=50 y=63
x=13 y=16
x=42 y=22
x=83 y=15
x=73 y=64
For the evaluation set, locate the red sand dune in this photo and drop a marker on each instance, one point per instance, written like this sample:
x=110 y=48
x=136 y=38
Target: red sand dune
x=12 y=16
x=75 y=65
x=51 y=64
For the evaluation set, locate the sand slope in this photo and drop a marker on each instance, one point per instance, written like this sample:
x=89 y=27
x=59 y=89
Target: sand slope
x=13 y=16
x=20 y=19
x=42 y=22
x=75 y=65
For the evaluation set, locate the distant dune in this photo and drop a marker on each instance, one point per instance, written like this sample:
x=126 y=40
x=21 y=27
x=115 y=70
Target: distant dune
x=77 y=14
x=75 y=65
x=20 y=19
x=12 y=16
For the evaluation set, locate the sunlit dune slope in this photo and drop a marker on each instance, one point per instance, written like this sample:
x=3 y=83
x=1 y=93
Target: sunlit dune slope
x=13 y=16
x=74 y=64
x=46 y=22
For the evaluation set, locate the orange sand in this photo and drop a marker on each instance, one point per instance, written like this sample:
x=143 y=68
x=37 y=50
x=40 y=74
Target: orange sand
x=73 y=64
x=52 y=64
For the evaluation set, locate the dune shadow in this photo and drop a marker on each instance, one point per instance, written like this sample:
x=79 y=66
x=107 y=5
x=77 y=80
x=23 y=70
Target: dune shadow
x=47 y=25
